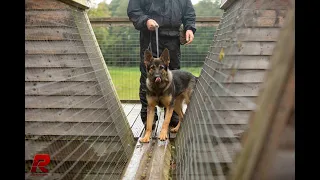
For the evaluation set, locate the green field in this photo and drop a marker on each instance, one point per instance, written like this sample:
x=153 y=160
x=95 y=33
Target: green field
x=126 y=80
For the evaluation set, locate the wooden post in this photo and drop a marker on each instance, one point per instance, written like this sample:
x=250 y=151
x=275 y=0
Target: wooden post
x=82 y=4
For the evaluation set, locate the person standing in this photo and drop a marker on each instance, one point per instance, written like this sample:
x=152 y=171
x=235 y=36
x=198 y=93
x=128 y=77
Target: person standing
x=168 y=16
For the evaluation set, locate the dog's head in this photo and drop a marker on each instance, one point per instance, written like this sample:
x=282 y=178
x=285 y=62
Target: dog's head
x=157 y=68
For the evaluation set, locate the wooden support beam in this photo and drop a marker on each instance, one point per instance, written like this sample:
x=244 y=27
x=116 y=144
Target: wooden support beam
x=82 y=4
x=150 y=161
x=124 y=21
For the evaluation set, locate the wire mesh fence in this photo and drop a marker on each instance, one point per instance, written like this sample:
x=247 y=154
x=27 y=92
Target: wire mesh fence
x=74 y=122
x=224 y=97
x=119 y=43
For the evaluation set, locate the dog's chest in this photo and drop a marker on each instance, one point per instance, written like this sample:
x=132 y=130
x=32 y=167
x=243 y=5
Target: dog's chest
x=163 y=101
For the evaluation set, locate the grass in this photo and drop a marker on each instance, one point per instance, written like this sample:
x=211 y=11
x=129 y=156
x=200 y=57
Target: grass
x=126 y=80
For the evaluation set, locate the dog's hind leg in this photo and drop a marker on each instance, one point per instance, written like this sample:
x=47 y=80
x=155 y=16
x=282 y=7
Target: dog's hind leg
x=178 y=109
x=180 y=114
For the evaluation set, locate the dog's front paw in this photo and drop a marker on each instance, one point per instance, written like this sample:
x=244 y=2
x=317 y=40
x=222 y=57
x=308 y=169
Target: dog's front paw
x=145 y=139
x=174 y=130
x=163 y=135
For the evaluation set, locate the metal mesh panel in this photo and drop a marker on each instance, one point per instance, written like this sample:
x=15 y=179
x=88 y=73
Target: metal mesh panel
x=230 y=81
x=72 y=112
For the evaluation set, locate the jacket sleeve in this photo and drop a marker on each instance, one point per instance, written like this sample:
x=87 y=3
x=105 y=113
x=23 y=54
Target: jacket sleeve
x=136 y=15
x=189 y=17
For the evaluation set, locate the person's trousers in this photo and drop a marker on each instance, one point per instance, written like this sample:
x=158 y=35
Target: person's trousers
x=173 y=45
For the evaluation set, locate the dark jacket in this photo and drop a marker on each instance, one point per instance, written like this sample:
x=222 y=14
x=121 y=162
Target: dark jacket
x=169 y=14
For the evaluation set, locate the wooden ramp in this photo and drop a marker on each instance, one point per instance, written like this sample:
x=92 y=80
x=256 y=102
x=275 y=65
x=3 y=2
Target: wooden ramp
x=149 y=160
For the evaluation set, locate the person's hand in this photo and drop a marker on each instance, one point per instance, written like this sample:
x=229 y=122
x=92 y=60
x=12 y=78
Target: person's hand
x=152 y=24
x=189 y=37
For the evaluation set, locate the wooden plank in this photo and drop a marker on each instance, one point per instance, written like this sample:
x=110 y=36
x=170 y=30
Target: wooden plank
x=94 y=20
x=229 y=103
x=257 y=34
x=137 y=127
x=226 y=150
x=104 y=78
x=240 y=62
x=215 y=131
x=59 y=74
x=83 y=167
x=57 y=18
x=128 y=108
x=51 y=34
x=62 y=88
x=66 y=115
x=80 y=102
x=262 y=18
x=274 y=4
x=226 y=117
x=74 y=129
x=246 y=48
x=44 y=5
x=218 y=155
x=133 y=116
x=234 y=89
x=206 y=171
x=57 y=60
x=160 y=163
x=226 y=3
x=50 y=138
x=139 y=156
x=71 y=175
x=54 y=47
x=199 y=176
x=83 y=4
x=98 y=151
x=241 y=76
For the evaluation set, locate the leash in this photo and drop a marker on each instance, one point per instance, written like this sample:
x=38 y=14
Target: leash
x=157 y=41
x=157 y=27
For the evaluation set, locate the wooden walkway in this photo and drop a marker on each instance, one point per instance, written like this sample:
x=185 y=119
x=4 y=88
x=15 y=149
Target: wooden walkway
x=132 y=111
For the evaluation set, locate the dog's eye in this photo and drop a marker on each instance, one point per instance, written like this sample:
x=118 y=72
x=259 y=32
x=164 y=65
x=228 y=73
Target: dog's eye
x=152 y=67
x=161 y=66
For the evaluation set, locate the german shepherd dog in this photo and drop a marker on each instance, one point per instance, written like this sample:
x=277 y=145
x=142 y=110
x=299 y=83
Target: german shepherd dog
x=165 y=88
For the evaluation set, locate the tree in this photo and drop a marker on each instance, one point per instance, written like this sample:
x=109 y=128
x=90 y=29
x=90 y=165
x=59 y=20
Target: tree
x=208 y=8
x=102 y=10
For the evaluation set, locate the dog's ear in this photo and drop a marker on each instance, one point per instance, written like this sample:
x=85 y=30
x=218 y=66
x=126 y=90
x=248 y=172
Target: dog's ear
x=165 y=57
x=147 y=57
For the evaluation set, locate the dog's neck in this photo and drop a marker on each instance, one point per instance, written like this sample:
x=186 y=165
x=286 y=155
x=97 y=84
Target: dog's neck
x=152 y=86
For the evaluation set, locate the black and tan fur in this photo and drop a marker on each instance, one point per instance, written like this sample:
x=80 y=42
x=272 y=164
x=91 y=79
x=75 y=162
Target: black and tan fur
x=165 y=88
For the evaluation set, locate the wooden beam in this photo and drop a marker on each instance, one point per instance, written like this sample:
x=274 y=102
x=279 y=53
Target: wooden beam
x=82 y=4
x=150 y=161
x=124 y=21
x=226 y=3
